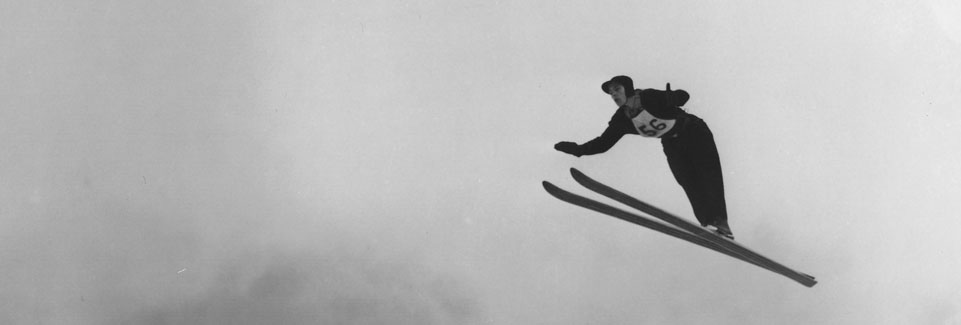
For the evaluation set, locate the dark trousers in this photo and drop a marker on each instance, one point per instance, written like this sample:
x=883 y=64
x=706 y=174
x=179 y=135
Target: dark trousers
x=692 y=156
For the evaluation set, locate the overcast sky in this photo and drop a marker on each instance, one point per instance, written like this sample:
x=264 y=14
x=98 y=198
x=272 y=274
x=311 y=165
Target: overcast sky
x=379 y=162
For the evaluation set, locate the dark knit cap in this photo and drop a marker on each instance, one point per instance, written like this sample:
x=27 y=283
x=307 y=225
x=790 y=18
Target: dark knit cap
x=624 y=81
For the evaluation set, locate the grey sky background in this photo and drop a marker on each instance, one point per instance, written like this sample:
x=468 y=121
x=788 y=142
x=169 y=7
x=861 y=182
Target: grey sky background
x=377 y=162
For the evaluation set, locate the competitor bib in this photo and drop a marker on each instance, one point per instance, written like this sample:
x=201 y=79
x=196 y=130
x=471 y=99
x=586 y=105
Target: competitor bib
x=647 y=125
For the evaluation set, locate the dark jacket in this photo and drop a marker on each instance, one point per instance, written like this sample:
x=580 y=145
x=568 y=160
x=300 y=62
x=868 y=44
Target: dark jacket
x=660 y=103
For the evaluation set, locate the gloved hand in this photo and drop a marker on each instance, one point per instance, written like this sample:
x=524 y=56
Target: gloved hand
x=568 y=147
x=676 y=98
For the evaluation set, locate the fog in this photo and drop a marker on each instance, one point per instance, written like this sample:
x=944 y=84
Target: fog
x=374 y=162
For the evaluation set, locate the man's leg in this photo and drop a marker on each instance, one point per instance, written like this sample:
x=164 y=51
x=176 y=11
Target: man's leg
x=686 y=174
x=696 y=166
x=710 y=178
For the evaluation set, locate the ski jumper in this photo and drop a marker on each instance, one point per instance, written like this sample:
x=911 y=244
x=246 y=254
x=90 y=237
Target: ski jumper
x=687 y=141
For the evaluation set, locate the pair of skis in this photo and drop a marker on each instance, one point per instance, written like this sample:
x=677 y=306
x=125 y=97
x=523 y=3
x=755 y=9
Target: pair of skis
x=675 y=227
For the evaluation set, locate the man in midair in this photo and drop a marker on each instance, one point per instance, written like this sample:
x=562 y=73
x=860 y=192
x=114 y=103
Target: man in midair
x=687 y=141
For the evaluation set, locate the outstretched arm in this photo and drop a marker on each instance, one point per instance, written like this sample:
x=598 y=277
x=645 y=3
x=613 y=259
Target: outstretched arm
x=598 y=145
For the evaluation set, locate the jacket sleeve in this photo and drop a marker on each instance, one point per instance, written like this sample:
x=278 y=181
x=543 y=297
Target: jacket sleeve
x=602 y=143
x=671 y=98
x=678 y=97
x=664 y=104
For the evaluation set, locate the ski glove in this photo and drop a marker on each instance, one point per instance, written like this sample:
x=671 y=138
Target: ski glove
x=676 y=98
x=569 y=148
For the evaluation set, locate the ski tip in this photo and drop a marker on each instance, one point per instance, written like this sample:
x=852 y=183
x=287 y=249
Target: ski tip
x=551 y=188
x=547 y=185
x=576 y=172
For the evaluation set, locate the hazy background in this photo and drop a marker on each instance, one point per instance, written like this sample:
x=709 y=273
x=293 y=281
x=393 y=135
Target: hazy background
x=379 y=162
